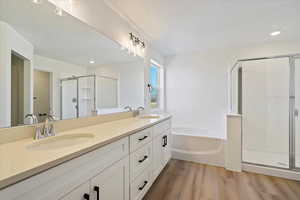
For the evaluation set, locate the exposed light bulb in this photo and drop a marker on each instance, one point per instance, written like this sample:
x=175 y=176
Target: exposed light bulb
x=92 y=62
x=275 y=33
x=37 y=1
x=58 y=11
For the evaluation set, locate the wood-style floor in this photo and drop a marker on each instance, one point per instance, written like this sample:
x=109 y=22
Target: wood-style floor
x=183 y=180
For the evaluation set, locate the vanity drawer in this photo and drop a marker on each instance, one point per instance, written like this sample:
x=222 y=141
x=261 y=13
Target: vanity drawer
x=141 y=185
x=140 y=160
x=161 y=127
x=139 y=139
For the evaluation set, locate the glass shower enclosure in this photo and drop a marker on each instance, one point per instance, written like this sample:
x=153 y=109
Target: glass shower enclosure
x=266 y=92
x=77 y=96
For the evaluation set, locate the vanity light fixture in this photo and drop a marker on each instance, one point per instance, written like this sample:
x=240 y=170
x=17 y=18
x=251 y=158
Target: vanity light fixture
x=134 y=45
x=275 y=33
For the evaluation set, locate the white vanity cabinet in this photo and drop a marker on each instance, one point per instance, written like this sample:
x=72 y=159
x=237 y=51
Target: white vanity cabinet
x=112 y=183
x=122 y=170
x=148 y=159
x=79 y=192
x=70 y=179
x=161 y=147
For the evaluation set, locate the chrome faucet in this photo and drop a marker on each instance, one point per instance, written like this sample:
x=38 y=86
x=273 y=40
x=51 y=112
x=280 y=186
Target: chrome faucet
x=137 y=111
x=129 y=108
x=44 y=130
x=48 y=128
x=38 y=129
x=33 y=117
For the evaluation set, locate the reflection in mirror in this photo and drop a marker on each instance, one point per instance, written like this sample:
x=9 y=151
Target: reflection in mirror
x=51 y=70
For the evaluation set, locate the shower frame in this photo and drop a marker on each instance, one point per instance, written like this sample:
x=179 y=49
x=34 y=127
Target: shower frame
x=292 y=109
x=76 y=78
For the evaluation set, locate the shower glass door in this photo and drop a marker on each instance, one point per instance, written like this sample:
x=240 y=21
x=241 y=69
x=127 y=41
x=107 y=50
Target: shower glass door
x=265 y=108
x=297 y=117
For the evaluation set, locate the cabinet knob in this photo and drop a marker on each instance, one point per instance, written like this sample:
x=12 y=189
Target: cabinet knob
x=97 y=189
x=86 y=196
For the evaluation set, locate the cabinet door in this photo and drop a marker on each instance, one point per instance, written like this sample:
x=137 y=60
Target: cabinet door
x=166 y=148
x=157 y=155
x=112 y=183
x=80 y=193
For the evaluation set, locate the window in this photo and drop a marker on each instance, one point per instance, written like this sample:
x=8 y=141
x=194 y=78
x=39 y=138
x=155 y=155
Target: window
x=156 y=85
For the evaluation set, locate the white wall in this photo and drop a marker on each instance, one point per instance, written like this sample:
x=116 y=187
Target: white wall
x=197 y=84
x=59 y=70
x=10 y=41
x=131 y=81
x=196 y=92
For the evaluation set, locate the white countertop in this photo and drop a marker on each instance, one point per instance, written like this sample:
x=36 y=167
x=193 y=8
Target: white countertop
x=18 y=162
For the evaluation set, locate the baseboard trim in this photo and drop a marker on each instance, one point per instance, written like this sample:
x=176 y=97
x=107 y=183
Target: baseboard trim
x=197 y=159
x=288 y=174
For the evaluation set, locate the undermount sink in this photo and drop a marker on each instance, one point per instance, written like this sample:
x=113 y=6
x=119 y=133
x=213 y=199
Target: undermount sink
x=56 y=142
x=150 y=117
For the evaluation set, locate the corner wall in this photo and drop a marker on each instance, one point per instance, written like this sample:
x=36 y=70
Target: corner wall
x=10 y=41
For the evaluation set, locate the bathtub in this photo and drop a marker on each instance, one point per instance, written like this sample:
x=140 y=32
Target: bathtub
x=197 y=145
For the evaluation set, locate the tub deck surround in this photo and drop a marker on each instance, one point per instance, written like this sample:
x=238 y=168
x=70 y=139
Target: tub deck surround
x=19 y=162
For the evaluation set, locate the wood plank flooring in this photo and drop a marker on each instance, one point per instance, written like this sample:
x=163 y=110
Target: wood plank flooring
x=183 y=180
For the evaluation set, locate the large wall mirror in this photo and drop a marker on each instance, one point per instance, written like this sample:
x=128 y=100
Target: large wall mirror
x=57 y=65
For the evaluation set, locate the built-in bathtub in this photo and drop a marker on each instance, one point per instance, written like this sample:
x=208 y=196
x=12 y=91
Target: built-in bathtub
x=198 y=145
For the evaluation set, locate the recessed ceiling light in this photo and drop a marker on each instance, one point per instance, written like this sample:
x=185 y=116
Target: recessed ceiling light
x=275 y=33
x=92 y=62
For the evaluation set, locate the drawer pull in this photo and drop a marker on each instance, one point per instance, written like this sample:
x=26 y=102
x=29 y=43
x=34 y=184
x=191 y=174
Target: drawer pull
x=86 y=196
x=97 y=189
x=143 y=138
x=143 y=186
x=165 y=141
x=145 y=158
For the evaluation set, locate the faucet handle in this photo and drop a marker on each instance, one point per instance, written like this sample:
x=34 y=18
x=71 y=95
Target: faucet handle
x=129 y=108
x=33 y=117
x=140 y=108
x=51 y=117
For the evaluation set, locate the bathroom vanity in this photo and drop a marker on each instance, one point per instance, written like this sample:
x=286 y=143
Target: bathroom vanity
x=117 y=160
x=80 y=80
